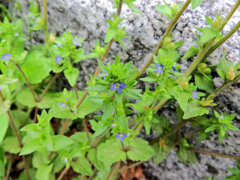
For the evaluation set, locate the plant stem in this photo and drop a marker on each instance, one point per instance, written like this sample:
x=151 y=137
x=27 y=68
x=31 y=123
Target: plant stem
x=96 y=141
x=45 y=21
x=76 y=91
x=62 y=131
x=18 y=137
x=231 y=13
x=48 y=86
x=38 y=4
x=8 y=168
x=63 y=173
x=86 y=129
x=224 y=86
x=83 y=177
x=35 y=114
x=94 y=173
x=113 y=170
x=214 y=154
x=222 y=40
x=131 y=166
x=138 y=129
x=167 y=32
x=26 y=79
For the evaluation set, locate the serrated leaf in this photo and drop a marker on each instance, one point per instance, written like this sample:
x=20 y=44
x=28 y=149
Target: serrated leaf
x=194 y=109
x=31 y=146
x=35 y=67
x=196 y=3
x=107 y=111
x=207 y=35
x=82 y=166
x=111 y=151
x=71 y=75
x=132 y=7
x=111 y=33
x=203 y=83
x=192 y=51
x=148 y=79
x=160 y=154
x=139 y=150
x=102 y=166
x=60 y=142
x=223 y=67
x=165 y=10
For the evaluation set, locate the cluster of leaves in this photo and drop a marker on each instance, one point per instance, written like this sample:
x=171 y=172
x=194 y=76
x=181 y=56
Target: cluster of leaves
x=114 y=92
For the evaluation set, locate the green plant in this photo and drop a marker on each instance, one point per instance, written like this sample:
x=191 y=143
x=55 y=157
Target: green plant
x=26 y=86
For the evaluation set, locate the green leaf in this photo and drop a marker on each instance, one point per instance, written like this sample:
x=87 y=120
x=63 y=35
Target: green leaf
x=4 y=126
x=203 y=83
x=11 y=144
x=60 y=142
x=102 y=166
x=196 y=3
x=165 y=10
x=82 y=166
x=111 y=33
x=107 y=111
x=80 y=137
x=147 y=126
x=132 y=7
x=111 y=151
x=4 y=107
x=132 y=93
x=31 y=146
x=139 y=150
x=161 y=153
x=44 y=171
x=194 y=109
x=35 y=67
x=148 y=79
x=97 y=88
x=207 y=35
x=25 y=98
x=223 y=67
x=71 y=74
x=192 y=51
x=123 y=121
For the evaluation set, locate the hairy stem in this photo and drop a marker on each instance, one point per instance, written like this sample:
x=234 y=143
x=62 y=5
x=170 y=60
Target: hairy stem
x=76 y=91
x=38 y=4
x=26 y=79
x=48 y=86
x=131 y=166
x=222 y=40
x=214 y=154
x=86 y=128
x=35 y=114
x=63 y=173
x=62 y=131
x=167 y=32
x=114 y=170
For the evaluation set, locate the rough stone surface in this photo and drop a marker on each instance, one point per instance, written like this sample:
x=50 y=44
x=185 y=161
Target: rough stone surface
x=87 y=19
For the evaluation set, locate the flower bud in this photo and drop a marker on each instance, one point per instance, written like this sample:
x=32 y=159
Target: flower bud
x=167 y=41
x=207 y=103
x=51 y=38
x=184 y=83
x=207 y=71
x=231 y=73
x=202 y=66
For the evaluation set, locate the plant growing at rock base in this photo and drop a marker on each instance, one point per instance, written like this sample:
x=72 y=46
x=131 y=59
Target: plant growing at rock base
x=31 y=100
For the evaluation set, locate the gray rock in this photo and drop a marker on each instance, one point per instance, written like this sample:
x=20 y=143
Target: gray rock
x=87 y=19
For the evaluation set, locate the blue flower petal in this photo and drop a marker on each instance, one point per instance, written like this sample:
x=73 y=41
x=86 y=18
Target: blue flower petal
x=113 y=87
x=122 y=85
x=6 y=57
x=121 y=137
x=75 y=41
x=157 y=65
x=1 y=88
x=58 y=59
x=124 y=135
x=118 y=136
x=194 y=94
x=62 y=105
x=119 y=90
x=174 y=69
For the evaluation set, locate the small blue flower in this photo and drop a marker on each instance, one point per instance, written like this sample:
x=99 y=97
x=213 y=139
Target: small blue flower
x=58 y=59
x=62 y=105
x=174 y=69
x=75 y=41
x=16 y=34
x=194 y=94
x=106 y=73
x=119 y=86
x=121 y=136
x=1 y=88
x=6 y=57
x=159 y=68
x=224 y=127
